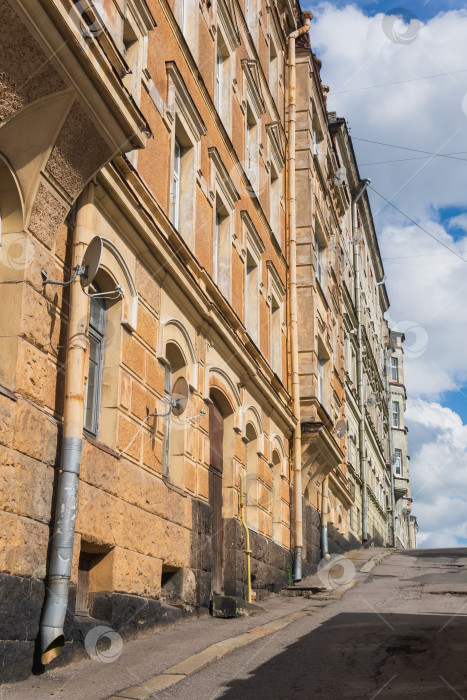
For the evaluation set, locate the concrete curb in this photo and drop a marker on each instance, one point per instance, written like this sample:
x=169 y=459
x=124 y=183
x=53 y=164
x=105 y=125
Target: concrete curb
x=210 y=655
x=374 y=561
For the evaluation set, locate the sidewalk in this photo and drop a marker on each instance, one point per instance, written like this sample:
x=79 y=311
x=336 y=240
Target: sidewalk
x=162 y=658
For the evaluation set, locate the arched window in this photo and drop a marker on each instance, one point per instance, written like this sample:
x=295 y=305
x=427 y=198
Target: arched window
x=174 y=433
x=276 y=497
x=251 y=459
x=97 y=317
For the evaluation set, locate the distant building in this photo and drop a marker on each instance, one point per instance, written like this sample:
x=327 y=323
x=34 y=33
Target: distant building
x=400 y=457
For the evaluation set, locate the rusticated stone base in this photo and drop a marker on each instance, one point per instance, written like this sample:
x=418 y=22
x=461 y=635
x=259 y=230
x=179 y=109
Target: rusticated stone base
x=21 y=603
x=268 y=563
x=337 y=543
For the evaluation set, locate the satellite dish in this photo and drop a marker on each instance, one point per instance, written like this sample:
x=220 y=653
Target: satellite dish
x=91 y=261
x=180 y=395
x=371 y=400
x=341 y=429
x=340 y=176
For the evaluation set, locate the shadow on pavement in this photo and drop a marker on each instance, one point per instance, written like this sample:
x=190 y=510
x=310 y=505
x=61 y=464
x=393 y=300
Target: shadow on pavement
x=359 y=655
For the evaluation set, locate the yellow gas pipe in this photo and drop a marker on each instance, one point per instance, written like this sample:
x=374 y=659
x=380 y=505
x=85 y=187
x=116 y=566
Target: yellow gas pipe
x=247 y=536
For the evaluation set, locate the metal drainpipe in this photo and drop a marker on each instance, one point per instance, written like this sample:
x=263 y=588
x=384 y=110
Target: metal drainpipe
x=393 y=494
x=297 y=437
x=324 y=519
x=360 y=387
x=51 y=629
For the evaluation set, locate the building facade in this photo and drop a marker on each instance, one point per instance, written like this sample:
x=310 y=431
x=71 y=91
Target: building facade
x=400 y=457
x=142 y=403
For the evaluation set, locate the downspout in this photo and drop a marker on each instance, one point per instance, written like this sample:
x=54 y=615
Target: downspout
x=247 y=540
x=51 y=629
x=297 y=437
x=324 y=519
x=391 y=465
x=360 y=386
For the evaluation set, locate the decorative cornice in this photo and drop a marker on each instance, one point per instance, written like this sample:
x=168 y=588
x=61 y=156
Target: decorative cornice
x=223 y=177
x=181 y=100
x=253 y=80
x=226 y=12
x=275 y=139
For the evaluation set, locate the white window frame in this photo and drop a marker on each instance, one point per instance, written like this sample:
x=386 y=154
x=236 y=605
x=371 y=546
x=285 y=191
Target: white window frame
x=222 y=189
x=276 y=163
x=398 y=462
x=253 y=249
x=275 y=302
x=253 y=108
x=395 y=369
x=396 y=411
x=182 y=116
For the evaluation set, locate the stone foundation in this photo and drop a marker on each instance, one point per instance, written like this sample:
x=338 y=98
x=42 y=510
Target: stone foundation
x=268 y=563
x=337 y=542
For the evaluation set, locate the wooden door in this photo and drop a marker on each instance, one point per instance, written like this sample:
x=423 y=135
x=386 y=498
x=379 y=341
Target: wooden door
x=216 y=436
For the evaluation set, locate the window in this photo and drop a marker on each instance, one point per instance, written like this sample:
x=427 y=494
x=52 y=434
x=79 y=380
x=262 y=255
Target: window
x=225 y=196
x=222 y=245
x=276 y=291
x=275 y=202
x=319 y=254
x=321 y=378
x=394 y=369
x=273 y=71
x=315 y=142
x=176 y=185
x=395 y=414
x=131 y=43
x=96 y=361
x=222 y=82
x=251 y=147
x=252 y=297
x=187 y=127
x=398 y=461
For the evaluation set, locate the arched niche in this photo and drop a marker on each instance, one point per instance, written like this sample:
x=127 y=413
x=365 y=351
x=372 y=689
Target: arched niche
x=251 y=415
x=175 y=426
x=120 y=311
x=277 y=460
x=173 y=331
x=115 y=264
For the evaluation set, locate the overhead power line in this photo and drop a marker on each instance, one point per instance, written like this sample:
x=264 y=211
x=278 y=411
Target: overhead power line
x=406 y=160
x=417 y=225
x=399 y=82
x=416 y=150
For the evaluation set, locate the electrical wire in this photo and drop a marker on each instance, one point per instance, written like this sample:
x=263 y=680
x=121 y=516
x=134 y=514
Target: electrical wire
x=416 y=150
x=416 y=224
x=399 y=82
x=405 y=160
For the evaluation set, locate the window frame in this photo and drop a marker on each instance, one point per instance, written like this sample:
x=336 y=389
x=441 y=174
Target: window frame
x=96 y=336
x=394 y=369
x=398 y=462
x=396 y=414
x=253 y=248
x=275 y=302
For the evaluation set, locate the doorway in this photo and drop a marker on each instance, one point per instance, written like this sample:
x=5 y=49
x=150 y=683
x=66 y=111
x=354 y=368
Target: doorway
x=216 y=467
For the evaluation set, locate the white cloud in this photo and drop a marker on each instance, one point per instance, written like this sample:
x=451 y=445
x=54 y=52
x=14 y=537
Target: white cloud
x=438 y=472
x=427 y=284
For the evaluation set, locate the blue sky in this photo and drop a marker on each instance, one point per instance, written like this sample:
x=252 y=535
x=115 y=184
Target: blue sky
x=427 y=283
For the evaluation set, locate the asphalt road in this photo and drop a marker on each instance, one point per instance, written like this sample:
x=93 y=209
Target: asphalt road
x=401 y=632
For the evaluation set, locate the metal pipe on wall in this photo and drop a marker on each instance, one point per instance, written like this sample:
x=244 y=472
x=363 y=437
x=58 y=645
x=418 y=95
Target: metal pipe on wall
x=292 y=232
x=51 y=628
x=391 y=465
x=360 y=384
x=324 y=518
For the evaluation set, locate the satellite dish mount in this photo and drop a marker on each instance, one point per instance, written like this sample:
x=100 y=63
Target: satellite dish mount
x=87 y=272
